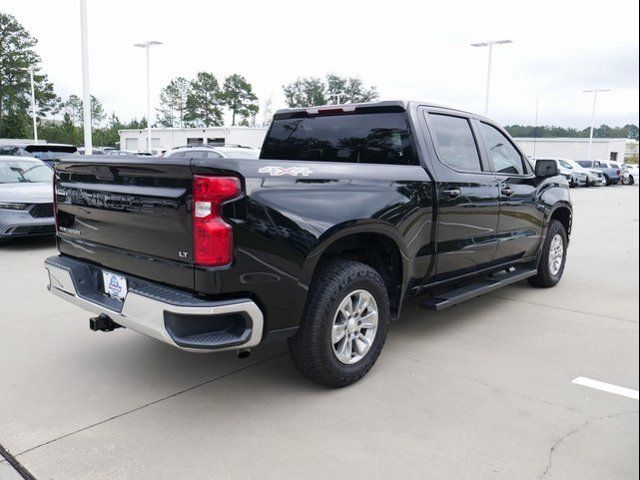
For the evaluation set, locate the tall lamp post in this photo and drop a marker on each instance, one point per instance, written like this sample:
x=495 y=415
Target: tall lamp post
x=86 y=91
x=489 y=44
x=146 y=46
x=33 y=106
x=595 y=92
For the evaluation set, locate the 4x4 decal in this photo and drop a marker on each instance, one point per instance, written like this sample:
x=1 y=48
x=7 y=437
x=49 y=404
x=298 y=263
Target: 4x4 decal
x=276 y=171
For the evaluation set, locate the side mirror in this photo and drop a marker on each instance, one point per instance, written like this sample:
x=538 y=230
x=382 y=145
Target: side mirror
x=546 y=168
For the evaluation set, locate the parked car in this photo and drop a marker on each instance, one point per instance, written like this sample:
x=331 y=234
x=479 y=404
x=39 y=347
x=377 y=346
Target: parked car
x=49 y=153
x=576 y=175
x=26 y=197
x=629 y=174
x=594 y=177
x=348 y=211
x=204 y=151
x=120 y=152
x=611 y=171
x=94 y=151
x=128 y=153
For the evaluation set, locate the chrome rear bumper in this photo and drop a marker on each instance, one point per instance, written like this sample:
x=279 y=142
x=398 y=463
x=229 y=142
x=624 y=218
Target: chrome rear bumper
x=169 y=315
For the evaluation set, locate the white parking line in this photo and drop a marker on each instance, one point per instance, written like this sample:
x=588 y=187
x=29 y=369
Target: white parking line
x=606 y=387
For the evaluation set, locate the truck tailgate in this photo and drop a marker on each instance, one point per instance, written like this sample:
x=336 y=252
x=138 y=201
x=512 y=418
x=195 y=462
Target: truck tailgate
x=128 y=214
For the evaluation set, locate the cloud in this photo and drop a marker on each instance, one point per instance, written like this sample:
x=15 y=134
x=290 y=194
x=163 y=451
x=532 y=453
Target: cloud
x=408 y=49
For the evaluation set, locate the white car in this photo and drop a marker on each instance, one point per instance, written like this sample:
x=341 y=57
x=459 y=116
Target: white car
x=577 y=177
x=26 y=197
x=595 y=177
x=204 y=151
x=629 y=174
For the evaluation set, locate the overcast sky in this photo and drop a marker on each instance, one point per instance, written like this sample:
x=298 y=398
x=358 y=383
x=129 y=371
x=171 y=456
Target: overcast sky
x=408 y=49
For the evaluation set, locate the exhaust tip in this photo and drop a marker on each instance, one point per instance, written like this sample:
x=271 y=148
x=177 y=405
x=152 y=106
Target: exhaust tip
x=244 y=353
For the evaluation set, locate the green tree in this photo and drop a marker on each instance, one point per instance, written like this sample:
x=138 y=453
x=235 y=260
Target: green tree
x=98 y=114
x=73 y=108
x=61 y=132
x=334 y=89
x=204 y=101
x=238 y=96
x=631 y=131
x=305 y=92
x=136 y=124
x=546 y=131
x=341 y=90
x=108 y=135
x=17 y=56
x=15 y=125
x=173 y=111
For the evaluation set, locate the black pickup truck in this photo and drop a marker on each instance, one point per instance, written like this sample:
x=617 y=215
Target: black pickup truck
x=348 y=211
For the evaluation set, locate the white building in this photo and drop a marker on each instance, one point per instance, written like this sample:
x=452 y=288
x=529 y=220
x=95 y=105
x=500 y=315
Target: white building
x=575 y=148
x=167 y=138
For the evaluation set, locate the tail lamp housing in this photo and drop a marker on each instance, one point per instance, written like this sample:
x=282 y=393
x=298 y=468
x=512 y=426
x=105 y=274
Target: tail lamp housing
x=212 y=236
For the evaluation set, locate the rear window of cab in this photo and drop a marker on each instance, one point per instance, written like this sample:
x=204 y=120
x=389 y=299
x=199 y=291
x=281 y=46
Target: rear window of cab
x=377 y=138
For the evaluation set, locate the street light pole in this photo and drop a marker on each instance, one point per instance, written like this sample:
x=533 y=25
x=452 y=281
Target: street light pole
x=593 y=115
x=535 y=129
x=146 y=46
x=489 y=44
x=33 y=106
x=86 y=91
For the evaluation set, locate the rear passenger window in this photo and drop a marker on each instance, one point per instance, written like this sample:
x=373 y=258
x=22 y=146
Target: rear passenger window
x=456 y=145
x=506 y=159
x=213 y=155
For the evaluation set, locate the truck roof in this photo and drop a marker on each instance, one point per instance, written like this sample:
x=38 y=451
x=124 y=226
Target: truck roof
x=403 y=104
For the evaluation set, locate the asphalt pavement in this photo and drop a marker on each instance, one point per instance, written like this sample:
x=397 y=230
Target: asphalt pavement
x=480 y=391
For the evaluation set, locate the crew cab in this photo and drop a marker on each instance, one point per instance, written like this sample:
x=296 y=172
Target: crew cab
x=348 y=211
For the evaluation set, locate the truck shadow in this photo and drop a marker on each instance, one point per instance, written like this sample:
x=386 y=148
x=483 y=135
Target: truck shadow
x=269 y=367
x=26 y=243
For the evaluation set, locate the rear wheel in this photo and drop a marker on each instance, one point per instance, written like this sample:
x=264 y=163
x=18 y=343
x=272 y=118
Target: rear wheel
x=344 y=326
x=553 y=257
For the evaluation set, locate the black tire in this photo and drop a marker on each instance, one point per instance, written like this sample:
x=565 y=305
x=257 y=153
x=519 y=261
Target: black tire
x=606 y=181
x=311 y=347
x=544 y=278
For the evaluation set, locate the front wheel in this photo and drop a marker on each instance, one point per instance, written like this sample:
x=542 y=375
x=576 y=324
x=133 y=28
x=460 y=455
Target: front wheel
x=344 y=326
x=553 y=257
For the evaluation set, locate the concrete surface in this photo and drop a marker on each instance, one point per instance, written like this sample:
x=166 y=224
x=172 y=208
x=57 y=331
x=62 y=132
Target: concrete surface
x=482 y=390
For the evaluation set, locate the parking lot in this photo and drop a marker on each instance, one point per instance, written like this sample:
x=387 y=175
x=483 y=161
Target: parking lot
x=483 y=390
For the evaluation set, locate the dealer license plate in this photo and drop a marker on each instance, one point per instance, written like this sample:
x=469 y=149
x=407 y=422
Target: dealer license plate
x=114 y=285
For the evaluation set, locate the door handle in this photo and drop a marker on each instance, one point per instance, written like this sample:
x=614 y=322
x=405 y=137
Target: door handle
x=507 y=191
x=453 y=193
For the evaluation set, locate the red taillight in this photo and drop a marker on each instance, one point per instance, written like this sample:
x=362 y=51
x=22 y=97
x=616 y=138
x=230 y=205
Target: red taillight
x=55 y=202
x=212 y=237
